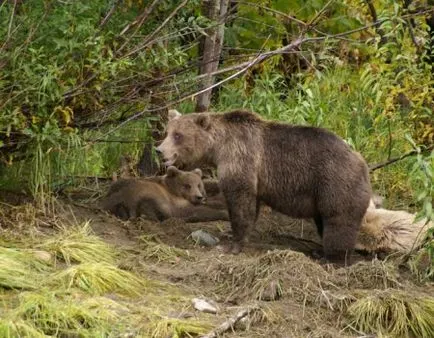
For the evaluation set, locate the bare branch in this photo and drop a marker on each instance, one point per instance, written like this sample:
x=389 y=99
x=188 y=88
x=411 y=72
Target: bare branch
x=148 y=10
x=156 y=31
x=109 y=14
x=229 y=324
x=271 y=10
x=258 y=59
x=380 y=165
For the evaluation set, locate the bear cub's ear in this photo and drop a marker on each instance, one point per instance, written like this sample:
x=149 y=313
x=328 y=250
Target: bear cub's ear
x=203 y=120
x=197 y=171
x=173 y=114
x=172 y=171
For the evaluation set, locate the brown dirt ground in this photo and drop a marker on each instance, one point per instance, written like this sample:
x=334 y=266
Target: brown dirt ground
x=311 y=297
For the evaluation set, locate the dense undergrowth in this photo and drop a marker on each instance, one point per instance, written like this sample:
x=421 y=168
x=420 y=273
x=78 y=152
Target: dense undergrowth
x=75 y=75
x=82 y=83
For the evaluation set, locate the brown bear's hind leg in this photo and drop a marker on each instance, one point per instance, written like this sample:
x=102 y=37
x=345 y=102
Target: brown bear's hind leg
x=151 y=210
x=339 y=239
x=319 y=225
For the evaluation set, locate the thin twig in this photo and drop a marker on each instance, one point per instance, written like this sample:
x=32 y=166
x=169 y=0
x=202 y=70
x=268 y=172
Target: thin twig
x=229 y=324
x=156 y=31
x=148 y=10
x=109 y=14
x=247 y=65
x=373 y=167
x=315 y=19
x=271 y=10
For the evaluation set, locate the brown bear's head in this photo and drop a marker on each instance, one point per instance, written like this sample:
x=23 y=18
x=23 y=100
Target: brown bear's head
x=186 y=184
x=188 y=140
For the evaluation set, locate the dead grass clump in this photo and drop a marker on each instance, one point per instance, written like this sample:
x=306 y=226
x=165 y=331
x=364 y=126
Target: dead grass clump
x=99 y=278
x=393 y=313
x=154 y=249
x=291 y=272
x=19 y=328
x=162 y=326
x=79 y=245
x=60 y=314
x=21 y=217
x=421 y=262
x=20 y=268
x=374 y=274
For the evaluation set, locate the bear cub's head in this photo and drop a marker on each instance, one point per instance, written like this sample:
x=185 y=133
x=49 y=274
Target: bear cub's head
x=186 y=184
x=188 y=140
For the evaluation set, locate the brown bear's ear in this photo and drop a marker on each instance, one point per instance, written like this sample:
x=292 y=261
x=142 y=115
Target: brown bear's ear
x=198 y=172
x=172 y=171
x=173 y=114
x=203 y=120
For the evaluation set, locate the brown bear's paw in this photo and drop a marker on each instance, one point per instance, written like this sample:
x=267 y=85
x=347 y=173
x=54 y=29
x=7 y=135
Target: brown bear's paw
x=230 y=248
x=338 y=261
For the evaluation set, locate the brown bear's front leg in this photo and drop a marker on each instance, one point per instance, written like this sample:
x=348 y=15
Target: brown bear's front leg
x=242 y=206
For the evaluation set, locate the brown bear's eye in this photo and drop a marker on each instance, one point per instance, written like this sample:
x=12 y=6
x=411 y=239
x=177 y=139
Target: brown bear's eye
x=187 y=186
x=177 y=137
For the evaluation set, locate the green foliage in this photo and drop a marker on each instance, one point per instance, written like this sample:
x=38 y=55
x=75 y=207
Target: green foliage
x=61 y=70
x=422 y=261
x=70 y=81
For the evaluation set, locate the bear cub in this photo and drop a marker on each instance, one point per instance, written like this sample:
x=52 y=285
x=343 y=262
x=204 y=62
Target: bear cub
x=177 y=194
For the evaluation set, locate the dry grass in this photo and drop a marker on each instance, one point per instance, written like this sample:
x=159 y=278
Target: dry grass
x=162 y=326
x=373 y=274
x=154 y=249
x=61 y=313
x=293 y=273
x=18 y=328
x=83 y=292
x=98 y=278
x=78 y=245
x=393 y=313
x=20 y=268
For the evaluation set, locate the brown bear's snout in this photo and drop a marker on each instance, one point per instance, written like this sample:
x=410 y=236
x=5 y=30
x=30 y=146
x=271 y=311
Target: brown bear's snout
x=163 y=154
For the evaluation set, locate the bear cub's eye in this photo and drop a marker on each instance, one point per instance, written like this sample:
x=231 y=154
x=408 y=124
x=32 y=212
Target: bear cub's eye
x=187 y=186
x=177 y=137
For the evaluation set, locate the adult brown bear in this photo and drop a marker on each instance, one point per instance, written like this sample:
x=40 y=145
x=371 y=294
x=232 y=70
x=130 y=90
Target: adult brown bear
x=176 y=194
x=304 y=172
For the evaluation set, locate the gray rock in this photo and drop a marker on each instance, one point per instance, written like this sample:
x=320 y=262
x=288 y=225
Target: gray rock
x=203 y=306
x=202 y=237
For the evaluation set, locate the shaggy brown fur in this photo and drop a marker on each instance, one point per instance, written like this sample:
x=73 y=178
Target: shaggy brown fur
x=387 y=231
x=304 y=172
x=176 y=194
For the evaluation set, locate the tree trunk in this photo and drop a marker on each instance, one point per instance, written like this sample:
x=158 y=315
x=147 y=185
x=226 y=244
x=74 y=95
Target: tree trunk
x=430 y=42
x=215 y=10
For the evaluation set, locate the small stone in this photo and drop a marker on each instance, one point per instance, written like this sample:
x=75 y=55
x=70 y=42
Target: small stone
x=203 y=306
x=202 y=237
